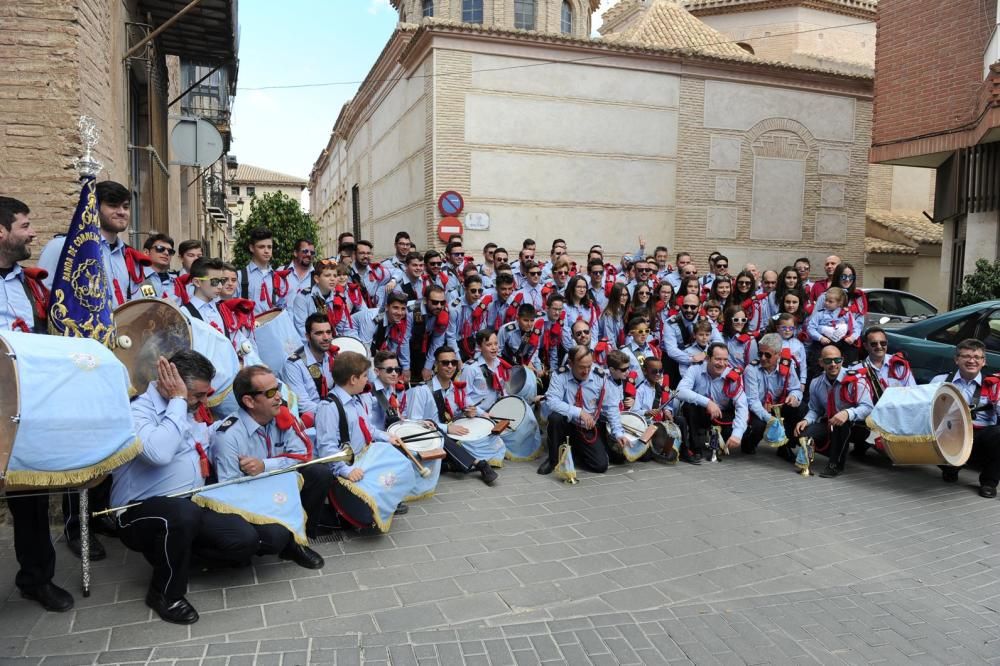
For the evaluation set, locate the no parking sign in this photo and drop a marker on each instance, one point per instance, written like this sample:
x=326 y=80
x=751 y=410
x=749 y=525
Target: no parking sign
x=451 y=204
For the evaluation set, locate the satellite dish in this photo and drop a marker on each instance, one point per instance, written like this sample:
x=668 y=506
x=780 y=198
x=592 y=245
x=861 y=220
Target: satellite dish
x=195 y=142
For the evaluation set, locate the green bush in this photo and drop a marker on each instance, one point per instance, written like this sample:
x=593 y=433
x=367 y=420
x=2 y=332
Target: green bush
x=983 y=285
x=286 y=220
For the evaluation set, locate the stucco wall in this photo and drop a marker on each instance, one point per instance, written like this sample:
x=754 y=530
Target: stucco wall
x=921 y=270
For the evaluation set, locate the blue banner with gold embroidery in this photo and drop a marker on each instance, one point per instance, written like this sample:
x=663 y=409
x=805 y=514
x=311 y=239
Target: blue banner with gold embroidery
x=80 y=305
x=267 y=500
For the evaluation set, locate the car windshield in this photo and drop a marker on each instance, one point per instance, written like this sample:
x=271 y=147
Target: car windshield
x=989 y=332
x=914 y=307
x=883 y=302
x=957 y=331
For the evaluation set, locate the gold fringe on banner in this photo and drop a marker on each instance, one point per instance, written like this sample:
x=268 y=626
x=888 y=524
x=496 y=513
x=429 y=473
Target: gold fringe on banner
x=254 y=518
x=383 y=525
x=21 y=479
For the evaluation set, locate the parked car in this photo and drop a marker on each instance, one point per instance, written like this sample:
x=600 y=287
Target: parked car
x=929 y=345
x=900 y=307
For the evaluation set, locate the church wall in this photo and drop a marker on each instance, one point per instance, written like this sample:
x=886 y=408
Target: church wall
x=579 y=151
x=782 y=174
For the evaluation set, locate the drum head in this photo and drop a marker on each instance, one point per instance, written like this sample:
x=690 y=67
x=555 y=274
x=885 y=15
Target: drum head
x=518 y=377
x=512 y=409
x=633 y=423
x=477 y=426
x=9 y=402
x=156 y=327
x=347 y=343
x=404 y=429
x=265 y=317
x=951 y=425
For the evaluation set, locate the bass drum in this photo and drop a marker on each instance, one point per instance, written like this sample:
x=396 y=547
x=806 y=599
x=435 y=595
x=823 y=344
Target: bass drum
x=276 y=338
x=64 y=411
x=148 y=328
x=523 y=383
x=522 y=438
x=923 y=425
x=347 y=343
x=218 y=349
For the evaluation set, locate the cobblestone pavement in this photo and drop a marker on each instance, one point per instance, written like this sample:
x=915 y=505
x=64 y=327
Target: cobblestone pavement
x=742 y=562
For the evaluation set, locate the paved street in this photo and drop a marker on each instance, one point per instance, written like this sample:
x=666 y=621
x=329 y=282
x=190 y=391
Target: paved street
x=738 y=562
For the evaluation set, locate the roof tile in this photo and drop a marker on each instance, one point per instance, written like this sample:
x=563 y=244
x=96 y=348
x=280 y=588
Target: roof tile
x=254 y=175
x=911 y=225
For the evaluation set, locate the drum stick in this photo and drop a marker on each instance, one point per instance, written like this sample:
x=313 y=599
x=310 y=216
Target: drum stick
x=423 y=471
x=338 y=456
x=420 y=436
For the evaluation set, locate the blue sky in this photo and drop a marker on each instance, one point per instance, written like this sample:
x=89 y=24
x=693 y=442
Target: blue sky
x=303 y=41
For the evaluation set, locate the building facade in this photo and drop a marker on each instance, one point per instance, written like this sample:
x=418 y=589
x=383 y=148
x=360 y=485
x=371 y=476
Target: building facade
x=252 y=181
x=66 y=58
x=937 y=107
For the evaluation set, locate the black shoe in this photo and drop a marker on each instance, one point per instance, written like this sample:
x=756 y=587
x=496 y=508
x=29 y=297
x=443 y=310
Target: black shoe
x=950 y=475
x=489 y=475
x=51 y=597
x=546 y=467
x=97 y=551
x=988 y=492
x=860 y=451
x=830 y=471
x=179 y=611
x=747 y=450
x=785 y=453
x=402 y=509
x=693 y=459
x=305 y=557
x=104 y=525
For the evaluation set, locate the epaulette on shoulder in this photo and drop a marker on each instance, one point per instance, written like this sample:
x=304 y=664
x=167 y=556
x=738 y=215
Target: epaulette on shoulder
x=510 y=325
x=457 y=302
x=601 y=372
x=563 y=370
x=298 y=355
x=227 y=424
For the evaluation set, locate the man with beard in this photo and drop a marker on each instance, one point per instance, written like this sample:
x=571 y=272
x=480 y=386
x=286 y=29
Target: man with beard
x=373 y=279
x=122 y=264
x=678 y=334
x=430 y=333
x=309 y=371
x=23 y=299
x=301 y=268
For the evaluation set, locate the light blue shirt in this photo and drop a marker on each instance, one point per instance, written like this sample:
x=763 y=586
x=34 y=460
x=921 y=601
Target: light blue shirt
x=819 y=390
x=510 y=340
x=328 y=429
x=762 y=386
x=257 y=277
x=296 y=374
x=479 y=391
x=562 y=393
x=698 y=387
x=742 y=354
x=366 y=325
x=673 y=339
x=634 y=350
x=295 y=284
x=169 y=460
x=246 y=437
x=645 y=397
x=421 y=405
x=983 y=417
x=373 y=278
x=533 y=295
x=14 y=303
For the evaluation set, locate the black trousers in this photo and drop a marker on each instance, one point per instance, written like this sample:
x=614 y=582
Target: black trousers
x=32 y=540
x=755 y=431
x=699 y=424
x=458 y=459
x=317 y=480
x=832 y=443
x=590 y=451
x=167 y=530
x=986 y=454
x=100 y=499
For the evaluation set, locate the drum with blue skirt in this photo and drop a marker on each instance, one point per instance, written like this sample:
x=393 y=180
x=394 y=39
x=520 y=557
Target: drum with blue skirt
x=480 y=442
x=64 y=411
x=217 y=348
x=522 y=438
x=428 y=448
x=276 y=338
x=389 y=477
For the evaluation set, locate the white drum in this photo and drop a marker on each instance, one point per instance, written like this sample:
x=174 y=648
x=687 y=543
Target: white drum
x=428 y=448
x=347 y=343
x=523 y=438
x=634 y=425
x=64 y=411
x=523 y=383
x=478 y=427
x=276 y=338
x=923 y=425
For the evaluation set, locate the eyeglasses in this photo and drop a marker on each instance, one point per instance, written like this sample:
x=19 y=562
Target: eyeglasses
x=640 y=331
x=215 y=282
x=392 y=369
x=534 y=272
x=435 y=264
x=878 y=343
x=847 y=278
x=623 y=368
x=307 y=252
x=766 y=354
x=434 y=301
x=447 y=364
x=643 y=292
x=971 y=357
x=475 y=291
x=832 y=361
x=267 y=393
x=585 y=331
x=561 y=272
x=739 y=320
x=597 y=273
x=458 y=255
x=722 y=265
x=645 y=270
x=689 y=307
x=165 y=248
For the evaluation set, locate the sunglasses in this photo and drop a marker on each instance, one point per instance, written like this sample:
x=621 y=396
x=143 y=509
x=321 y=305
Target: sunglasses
x=215 y=282
x=597 y=273
x=744 y=283
x=458 y=254
x=475 y=291
x=307 y=252
x=656 y=373
x=739 y=320
x=165 y=248
x=434 y=301
x=562 y=272
x=847 y=278
x=268 y=393
x=878 y=343
x=640 y=331
x=832 y=361
x=448 y=364
x=534 y=272
x=689 y=307
x=585 y=331
x=435 y=264
x=766 y=354
x=389 y=368
x=722 y=265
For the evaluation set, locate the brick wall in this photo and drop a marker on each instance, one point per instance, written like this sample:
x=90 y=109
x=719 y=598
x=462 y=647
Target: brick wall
x=928 y=61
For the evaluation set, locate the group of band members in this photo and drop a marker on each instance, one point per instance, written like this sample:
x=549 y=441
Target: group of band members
x=706 y=358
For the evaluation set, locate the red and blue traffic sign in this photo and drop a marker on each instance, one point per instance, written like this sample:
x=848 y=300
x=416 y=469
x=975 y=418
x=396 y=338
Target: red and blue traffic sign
x=451 y=203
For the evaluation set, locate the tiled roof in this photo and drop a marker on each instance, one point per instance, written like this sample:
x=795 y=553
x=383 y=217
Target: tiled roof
x=666 y=24
x=854 y=6
x=911 y=225
x=878 y=246
x=254 y=175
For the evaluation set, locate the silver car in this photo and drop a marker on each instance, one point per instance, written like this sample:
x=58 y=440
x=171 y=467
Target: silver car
x=890 y=308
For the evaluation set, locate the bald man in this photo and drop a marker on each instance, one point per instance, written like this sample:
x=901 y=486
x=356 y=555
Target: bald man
x=819 y=287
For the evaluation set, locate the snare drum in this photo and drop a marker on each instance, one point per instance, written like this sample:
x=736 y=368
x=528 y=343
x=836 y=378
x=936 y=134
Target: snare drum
x=276 y=338
x=64 y=411
x=523 y=438
x=347 y=343
x=523 y=383
x=429 y=451
x=480 y=441
x=634 y=424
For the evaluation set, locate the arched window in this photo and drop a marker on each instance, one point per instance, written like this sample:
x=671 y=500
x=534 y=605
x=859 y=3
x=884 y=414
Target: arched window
x=472 y=11
x=566 y=18
x=524 y=14
x=428 y=7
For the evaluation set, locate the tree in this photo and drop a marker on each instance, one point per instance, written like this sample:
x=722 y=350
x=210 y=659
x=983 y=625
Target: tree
x=284 y=217
x=983 y=285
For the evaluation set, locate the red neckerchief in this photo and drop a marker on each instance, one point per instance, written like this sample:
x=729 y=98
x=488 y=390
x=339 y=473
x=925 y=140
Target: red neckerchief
x=479 y=311
x=628 y=387
x=590 y=437
x=376 y=272
x=440 y=327
x=180 y=287
x=202 y=415
x=785 y=371
x=501 y=376
x=899 y=367
x=535 y=337
x=732 y=385
x=279 y=282
x=601 y=350
x=744 y=339
x=33 y=277
x=664 y=391
x=511 y=313
x=458 y=390
x=398 y=333
x=135 y=261
x=850 y=389
x=237 y=314
x=609 y=282
x=554 y=338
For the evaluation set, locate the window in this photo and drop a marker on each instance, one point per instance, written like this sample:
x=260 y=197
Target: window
x=990 y=332
x=566 y=21
x=524 y=14
x=472 y=11
x=916 y=307
x=955 y=333
x=235 y=190
x=883 y=303
x=251 y=191
x=428 y=7
x=356 y=210
x=898 y=283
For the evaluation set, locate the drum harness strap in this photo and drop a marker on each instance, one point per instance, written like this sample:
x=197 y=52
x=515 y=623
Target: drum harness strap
x=391 y=410
x=497 y=379
x=345 y=433
x=445 y=413
x=37 y=295
x=590 y=436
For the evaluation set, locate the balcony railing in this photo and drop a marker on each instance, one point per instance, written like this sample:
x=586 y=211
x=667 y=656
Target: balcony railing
x=209 y=98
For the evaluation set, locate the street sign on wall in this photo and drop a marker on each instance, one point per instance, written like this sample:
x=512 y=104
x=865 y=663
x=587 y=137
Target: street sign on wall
x=447 y=227
x=451 y=203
